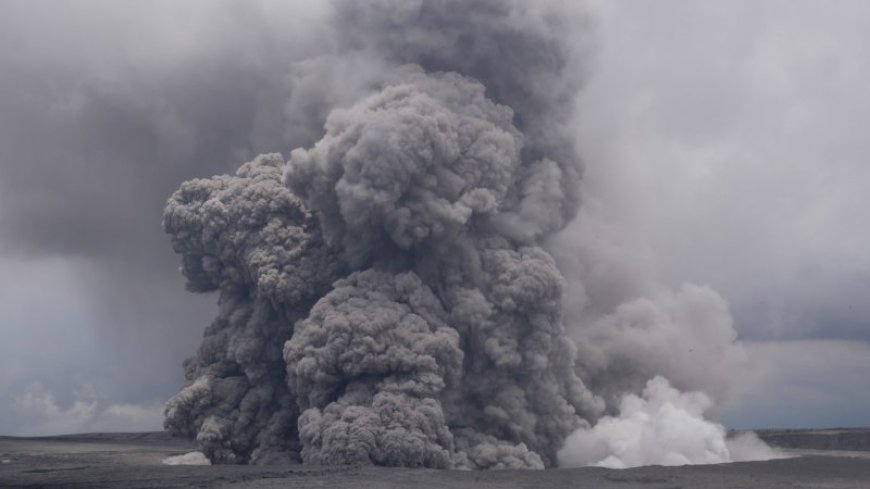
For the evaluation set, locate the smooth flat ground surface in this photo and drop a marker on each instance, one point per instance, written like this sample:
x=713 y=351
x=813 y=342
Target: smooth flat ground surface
x=131 y=461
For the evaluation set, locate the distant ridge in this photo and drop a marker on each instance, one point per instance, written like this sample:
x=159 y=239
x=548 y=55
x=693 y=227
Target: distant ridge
x=845 y=439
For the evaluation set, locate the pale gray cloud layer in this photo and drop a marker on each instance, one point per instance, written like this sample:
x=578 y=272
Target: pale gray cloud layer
x=729 y=138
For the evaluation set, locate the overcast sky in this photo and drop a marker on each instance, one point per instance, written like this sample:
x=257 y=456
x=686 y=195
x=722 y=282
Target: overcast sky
x=726 y=140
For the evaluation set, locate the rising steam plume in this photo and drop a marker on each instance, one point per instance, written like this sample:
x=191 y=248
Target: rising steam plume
x=384 y=296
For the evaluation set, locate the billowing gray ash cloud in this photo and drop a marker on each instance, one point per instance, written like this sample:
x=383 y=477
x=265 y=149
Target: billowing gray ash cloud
x=383 y=295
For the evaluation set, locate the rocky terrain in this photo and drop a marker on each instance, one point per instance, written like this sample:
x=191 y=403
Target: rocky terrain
x=829 y=459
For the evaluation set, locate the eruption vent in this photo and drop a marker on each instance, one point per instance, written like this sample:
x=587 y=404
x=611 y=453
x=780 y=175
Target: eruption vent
x=384 y=296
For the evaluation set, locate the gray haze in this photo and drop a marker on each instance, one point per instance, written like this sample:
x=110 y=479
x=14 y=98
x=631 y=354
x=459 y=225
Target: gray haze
x=745 y=142
x=722 y=146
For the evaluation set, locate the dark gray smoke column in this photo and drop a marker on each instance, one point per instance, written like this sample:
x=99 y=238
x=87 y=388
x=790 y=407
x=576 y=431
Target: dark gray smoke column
x=442 y=344
x=252 y=240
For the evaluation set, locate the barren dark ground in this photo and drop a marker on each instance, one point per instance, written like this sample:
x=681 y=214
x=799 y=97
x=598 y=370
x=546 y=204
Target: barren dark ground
x=828 y=459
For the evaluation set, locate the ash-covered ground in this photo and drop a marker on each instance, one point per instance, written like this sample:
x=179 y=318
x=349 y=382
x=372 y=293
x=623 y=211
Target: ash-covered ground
x=135 y=460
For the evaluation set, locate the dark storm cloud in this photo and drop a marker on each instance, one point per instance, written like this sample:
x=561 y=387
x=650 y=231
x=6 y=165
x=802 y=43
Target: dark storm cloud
x=104 y=108
x=97 y=129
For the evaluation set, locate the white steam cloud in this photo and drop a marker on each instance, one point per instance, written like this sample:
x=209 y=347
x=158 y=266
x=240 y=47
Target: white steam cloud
x=189 y=458
x=663 y=427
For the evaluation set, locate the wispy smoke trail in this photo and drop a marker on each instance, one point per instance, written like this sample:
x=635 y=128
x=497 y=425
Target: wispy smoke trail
x=384 y=294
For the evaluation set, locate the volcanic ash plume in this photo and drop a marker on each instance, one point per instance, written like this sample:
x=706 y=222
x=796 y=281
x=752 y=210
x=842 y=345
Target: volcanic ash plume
x=384 y=300
x=383 y=293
